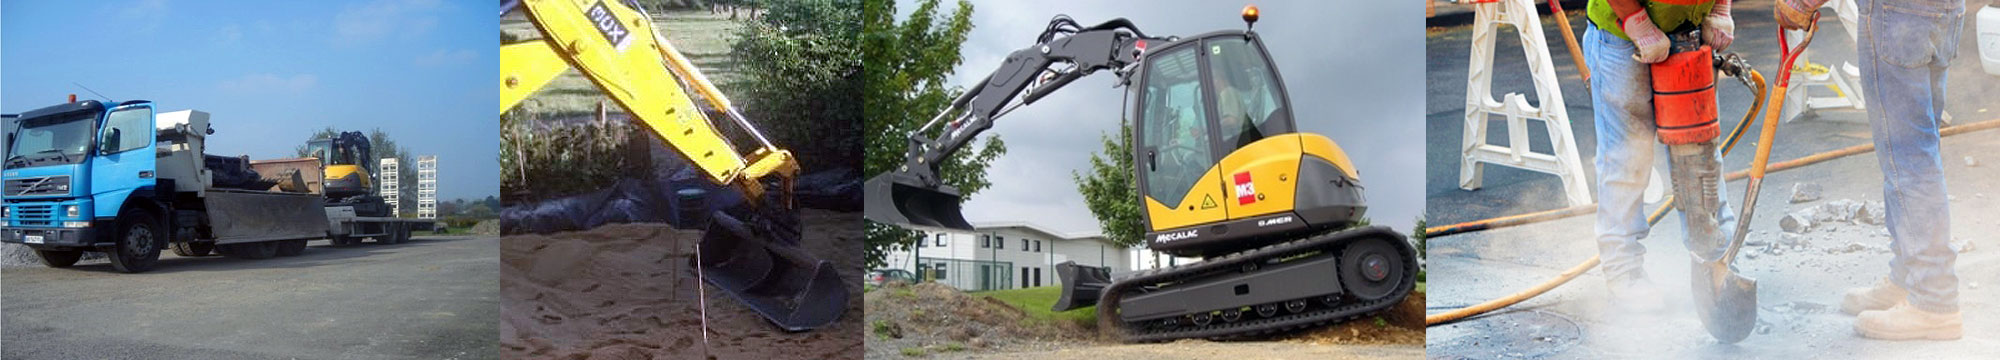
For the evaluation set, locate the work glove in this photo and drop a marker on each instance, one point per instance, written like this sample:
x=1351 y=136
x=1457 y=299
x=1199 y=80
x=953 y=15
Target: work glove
x=1652 y=44
x=1796 y=14
x=1718 y=30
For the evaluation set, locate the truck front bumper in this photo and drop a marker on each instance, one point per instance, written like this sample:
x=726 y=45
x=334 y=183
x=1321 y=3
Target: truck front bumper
x=39 y=237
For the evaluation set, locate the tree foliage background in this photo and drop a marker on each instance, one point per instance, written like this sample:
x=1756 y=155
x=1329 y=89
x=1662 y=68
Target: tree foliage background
x=802 y=75
x=1110 y=191
x=907 y=67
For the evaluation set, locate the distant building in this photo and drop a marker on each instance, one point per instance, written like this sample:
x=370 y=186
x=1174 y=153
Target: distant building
x=427 y=187
x=392 y=189
x=1005 y=255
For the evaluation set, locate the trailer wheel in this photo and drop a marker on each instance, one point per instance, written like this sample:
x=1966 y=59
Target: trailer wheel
x=290 y=247
x=59 y=258
x=192 y=248
x=137 y=247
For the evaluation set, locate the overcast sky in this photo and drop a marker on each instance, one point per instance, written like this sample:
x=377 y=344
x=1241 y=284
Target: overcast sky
x=1354 y=69
x=271 y=73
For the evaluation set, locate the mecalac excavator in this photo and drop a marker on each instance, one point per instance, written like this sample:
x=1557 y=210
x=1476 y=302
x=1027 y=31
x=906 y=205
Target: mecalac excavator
x=750 y=250
x=1224 y=173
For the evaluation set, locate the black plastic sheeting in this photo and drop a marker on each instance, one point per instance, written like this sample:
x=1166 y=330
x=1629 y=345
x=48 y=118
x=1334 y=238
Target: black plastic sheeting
x=233 y=172
x=634 y=200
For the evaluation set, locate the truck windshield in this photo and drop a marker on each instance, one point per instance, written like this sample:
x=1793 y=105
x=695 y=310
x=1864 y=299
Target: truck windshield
x=64 y=139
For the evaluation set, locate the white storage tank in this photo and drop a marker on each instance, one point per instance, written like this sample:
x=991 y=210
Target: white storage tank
x=1989 y=37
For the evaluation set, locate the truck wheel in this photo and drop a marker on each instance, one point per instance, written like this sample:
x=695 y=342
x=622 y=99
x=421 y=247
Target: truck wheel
x=137 y=247
x=59 y=258
x=291 y=247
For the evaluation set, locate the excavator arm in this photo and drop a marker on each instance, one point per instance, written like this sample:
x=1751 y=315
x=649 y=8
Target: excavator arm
x=752 y=250
x=915 y=194
x=616 y=47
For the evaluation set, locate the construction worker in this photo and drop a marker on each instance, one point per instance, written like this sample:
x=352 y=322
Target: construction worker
x=1905 y=47
x=1623 y=38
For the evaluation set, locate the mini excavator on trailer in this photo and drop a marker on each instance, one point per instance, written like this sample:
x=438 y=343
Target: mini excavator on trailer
x=1224 y=174
x=752 y=250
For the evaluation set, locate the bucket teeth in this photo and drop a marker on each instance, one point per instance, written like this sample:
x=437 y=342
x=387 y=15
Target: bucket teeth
x=760 y=263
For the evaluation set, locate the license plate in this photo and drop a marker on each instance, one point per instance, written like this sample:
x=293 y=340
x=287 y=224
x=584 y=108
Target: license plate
x=32 y=239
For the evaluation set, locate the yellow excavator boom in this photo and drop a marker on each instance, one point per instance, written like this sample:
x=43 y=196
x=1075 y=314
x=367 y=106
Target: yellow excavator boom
x=617 y=49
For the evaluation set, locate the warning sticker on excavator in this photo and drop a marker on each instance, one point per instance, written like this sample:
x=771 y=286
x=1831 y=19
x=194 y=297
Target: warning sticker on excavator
x=607 y=24
x=1246 y=192
x=1207 y=202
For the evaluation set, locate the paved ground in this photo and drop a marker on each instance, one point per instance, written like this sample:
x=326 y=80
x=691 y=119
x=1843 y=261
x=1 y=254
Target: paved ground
x=431 y=298
x=1800 y=281
x=1196 y=349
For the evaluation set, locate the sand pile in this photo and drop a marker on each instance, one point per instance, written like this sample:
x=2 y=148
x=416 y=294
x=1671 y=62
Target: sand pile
x=626 y=292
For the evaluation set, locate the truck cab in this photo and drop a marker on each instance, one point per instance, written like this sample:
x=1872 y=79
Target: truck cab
x=70 y=170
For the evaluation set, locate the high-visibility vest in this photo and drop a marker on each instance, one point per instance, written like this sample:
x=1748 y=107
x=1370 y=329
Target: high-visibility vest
x=1669 y=15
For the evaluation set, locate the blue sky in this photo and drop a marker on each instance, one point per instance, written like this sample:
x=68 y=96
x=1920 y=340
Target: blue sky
x=273 y=72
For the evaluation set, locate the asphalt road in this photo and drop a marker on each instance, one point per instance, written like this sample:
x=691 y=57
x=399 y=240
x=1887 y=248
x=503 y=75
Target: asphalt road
x=431 y=298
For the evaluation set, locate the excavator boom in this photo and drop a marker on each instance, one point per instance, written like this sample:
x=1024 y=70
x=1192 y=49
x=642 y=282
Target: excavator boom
x=751 y=251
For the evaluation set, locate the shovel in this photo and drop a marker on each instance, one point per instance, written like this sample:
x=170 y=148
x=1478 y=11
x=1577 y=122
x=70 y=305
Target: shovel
x=1727 y=301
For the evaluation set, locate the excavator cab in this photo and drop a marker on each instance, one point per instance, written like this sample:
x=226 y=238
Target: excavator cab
x=348 y=163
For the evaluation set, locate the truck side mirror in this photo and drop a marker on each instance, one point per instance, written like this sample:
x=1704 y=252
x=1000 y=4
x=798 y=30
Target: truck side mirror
x=110 y=144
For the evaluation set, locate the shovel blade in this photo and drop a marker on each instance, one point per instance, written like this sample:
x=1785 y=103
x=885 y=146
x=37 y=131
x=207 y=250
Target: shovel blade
x=1081 y=285
x=1726 y=301
x=895 y=199
x=779 y=280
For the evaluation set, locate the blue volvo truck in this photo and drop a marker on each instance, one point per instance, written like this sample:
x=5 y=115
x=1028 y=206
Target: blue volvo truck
x=129 y=181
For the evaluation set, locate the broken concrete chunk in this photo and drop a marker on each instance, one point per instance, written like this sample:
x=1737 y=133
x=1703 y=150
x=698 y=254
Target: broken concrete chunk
x=1795 y=224
x=1873 y=213
x=1805 y=191
x=1839 y=210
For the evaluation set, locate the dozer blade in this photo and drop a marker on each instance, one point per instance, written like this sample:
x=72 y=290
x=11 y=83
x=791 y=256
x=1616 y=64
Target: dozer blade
x=896 y=199
x=1081 y=285
x=777 y=279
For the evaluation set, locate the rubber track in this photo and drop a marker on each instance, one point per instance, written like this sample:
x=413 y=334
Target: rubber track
x=1331 y=242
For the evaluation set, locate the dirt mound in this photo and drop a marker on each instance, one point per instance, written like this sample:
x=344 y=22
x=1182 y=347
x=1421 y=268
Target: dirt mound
x=1400 y=324
x=626 y=291
x=930 y=317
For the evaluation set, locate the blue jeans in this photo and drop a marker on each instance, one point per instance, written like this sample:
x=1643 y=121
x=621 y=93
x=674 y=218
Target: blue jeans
x=1621 y=101
x=1905 y=47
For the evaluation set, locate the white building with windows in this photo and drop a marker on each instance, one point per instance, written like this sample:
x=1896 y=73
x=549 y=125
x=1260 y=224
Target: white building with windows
x=427 y=187
x=392 y=189
x=1005 y=255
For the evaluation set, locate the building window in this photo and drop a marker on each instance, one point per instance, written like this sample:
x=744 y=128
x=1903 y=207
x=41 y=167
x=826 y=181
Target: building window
x=1038 y=246
x=1038 y=276
x=999 y=242
x=1024 y=244
x=939 y=274
x=985 y=241
x=940 y=239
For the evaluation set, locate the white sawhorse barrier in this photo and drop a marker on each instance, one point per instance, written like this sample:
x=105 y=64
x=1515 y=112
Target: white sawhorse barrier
x=1480 y=105
x=1843 y=80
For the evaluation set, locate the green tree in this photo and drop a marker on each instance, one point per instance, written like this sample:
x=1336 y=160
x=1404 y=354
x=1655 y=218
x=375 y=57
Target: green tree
x=802 y=74
x=906 y=67
x=1109 y=190
x=383 y=147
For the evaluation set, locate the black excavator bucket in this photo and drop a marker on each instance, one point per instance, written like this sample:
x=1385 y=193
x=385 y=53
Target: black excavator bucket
x=760 y=263
x=894 y=198
x=1082 y=285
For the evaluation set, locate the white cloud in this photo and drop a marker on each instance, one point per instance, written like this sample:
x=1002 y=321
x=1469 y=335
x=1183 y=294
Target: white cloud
x=375 y=20
x=265 y=83
x=445 y=57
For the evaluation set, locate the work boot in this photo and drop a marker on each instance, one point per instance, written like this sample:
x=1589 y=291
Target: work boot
x=1885 y=294
x=1903 y=322
x=1635 y=294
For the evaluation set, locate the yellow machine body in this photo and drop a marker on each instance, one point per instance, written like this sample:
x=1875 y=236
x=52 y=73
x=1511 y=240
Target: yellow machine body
x=1275 y=159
